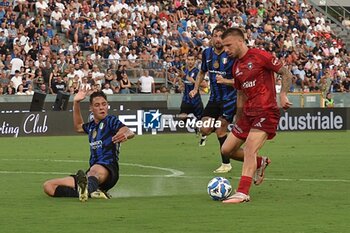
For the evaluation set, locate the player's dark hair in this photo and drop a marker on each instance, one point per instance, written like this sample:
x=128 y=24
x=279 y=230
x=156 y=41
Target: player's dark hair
x=233 y=32
x=219 y=28
x=190 y=54
x=97 y=94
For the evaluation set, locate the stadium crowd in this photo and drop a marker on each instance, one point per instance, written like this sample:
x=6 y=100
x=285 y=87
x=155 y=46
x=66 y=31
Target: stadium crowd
x=61 y=45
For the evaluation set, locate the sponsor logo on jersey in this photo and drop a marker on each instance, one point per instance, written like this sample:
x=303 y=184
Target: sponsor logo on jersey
x=95 y=145
x=224 y=60
x=248 y=84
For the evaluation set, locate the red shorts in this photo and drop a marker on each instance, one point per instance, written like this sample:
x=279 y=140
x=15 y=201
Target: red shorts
x=267 y=122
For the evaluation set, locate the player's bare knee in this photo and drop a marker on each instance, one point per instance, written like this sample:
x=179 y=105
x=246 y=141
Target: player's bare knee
x=249 y=152
x=49 y=188
x=206 y=131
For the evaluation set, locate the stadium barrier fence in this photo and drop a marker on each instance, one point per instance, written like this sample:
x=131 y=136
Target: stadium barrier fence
x=50 y=123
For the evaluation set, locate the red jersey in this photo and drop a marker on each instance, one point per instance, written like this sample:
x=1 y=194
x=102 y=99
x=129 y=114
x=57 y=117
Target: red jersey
x=254 y=75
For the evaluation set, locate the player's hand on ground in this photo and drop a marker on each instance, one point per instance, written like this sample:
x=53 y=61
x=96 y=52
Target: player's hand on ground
x=81 y=94
x=193 y=93
x=284 y=101
x=119 y=137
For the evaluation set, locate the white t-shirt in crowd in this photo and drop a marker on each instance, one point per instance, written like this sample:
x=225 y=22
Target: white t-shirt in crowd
x=146 y=83
x=16 y=63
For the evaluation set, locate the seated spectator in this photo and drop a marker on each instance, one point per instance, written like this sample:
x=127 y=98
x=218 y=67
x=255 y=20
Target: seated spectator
x=125 y=84
x=20 y=90
x=30 y=90
x=107 y=90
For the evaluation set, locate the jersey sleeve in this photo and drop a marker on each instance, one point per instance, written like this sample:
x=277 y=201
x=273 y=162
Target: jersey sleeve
x=270 y=62
x=237 y=83
x=195 y=74
x=86 y=127
x=204 y=66
x=114 y=123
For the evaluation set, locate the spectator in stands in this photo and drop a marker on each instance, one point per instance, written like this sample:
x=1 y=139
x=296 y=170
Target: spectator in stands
x=125 y=84
x=346 y=83
x=107 y=90
x=146 y=84
x=10 y=90
x=16 y=79
x=346 y=23
x=20 y=90
x=329 y=102
x=128 y=26
x=4 y=80
x=30 y=90
x=58 y=85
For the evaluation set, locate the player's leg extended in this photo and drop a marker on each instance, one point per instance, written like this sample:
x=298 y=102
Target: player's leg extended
x=198 y=113
x=255 y=140
x=221 y=134
x=227 y=110
x=96 y=176
x=100 y=174
x=61 y=187
x=232 y=147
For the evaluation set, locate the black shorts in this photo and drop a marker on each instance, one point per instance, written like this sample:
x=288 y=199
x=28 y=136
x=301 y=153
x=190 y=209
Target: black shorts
x=224 y=109
x=112 y=179
x=196 y=110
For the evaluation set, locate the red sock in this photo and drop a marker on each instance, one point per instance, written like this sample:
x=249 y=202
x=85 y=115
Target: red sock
x=258 y=162
x=244 y=184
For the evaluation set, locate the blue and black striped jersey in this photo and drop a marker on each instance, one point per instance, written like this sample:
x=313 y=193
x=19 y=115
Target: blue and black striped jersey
x=218 y=64
x=189 y=86
x=102 y=149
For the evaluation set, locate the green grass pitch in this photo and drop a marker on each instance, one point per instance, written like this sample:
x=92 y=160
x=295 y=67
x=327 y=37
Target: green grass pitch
x=163 y=187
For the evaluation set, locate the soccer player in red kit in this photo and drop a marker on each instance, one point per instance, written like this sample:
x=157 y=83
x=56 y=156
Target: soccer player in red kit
x=258 y=113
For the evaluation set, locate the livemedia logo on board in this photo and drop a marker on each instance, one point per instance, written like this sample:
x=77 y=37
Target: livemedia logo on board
x=327 y=120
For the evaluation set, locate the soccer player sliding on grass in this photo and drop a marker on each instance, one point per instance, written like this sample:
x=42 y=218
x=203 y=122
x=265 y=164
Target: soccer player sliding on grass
x=105 y=134
x=258 y=114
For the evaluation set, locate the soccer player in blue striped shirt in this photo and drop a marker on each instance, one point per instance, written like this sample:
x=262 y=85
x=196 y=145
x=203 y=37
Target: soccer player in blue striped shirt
x=190 y=105
x=105 y=134
x=222 y=101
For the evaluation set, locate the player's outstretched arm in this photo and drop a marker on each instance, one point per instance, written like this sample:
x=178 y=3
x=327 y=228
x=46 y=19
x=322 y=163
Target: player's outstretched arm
x=220 y=79
x=77 y=117
x=286 y=76
x=199 y=80
x=240 y=102
x=122 y=135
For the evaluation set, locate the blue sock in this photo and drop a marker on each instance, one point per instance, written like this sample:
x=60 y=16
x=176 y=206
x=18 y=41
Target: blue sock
x=92 y=184
x=64 y=191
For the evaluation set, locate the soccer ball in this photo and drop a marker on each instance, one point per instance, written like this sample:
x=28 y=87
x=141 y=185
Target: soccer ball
x=219 y=188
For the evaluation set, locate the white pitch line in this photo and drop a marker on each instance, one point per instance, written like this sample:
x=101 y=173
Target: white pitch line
x=174 y=173
x=69 y=173
x=180 y=176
